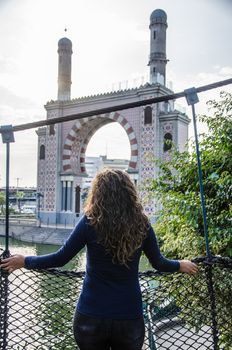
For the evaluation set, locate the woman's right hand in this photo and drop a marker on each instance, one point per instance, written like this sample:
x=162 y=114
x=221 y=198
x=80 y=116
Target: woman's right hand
x=187 y=266
x=12 y=263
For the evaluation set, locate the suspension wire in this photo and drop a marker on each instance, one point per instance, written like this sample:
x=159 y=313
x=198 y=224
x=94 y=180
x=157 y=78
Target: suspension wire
x=114 y=108
x=208 y=253
x=192 y=99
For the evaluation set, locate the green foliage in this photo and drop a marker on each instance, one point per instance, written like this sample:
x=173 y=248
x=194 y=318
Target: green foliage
x=2 y=202
x=180 y=225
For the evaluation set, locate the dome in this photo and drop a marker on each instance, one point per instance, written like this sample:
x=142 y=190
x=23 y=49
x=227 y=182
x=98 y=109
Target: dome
x=64 y=42
x=159 y=14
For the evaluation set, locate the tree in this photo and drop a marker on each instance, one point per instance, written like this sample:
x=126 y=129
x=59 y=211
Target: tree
x=2 y=202
x=180 y=226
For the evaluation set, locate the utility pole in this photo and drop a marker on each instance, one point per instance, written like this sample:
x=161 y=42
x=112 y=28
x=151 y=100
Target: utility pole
x=18 y=178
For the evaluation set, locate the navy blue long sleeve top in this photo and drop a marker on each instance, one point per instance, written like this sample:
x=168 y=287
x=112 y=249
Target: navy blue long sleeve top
x=109 y=290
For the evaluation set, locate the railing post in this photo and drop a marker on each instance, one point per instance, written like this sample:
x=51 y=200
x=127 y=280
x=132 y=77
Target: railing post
x=3 y=306
x=209 y=278
x=7 y=138
x=192 y=99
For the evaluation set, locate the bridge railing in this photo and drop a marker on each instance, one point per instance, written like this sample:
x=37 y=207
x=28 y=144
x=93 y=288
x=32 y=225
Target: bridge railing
x=180 y=311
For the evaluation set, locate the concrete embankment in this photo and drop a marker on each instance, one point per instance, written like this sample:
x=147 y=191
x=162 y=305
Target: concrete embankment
x=34 y=234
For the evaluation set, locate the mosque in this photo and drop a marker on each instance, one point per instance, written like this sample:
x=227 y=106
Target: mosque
x=62 y=147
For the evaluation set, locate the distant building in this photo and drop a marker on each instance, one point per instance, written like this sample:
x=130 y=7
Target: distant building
x=120 y=164
x=21 y=196
x=95 y=164
x=62 y=165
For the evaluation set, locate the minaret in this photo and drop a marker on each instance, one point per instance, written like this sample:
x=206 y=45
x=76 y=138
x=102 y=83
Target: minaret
x=158 y=60
x=64 y=69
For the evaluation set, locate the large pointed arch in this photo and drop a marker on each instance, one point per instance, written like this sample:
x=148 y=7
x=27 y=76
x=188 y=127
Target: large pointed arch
x=105 y=118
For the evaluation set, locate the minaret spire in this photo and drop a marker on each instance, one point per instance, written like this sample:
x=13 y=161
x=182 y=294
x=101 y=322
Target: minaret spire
x=64 y=68
x=158 y=60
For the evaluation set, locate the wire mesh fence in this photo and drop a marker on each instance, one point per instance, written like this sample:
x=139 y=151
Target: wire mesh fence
x=180 y=311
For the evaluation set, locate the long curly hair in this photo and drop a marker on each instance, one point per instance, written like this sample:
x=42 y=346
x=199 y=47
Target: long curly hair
x=114 y=210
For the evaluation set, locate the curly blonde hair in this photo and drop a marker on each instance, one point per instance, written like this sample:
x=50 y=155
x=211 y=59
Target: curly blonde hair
x=115 y=211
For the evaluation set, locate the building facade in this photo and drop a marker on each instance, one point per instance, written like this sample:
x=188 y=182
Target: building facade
x=61 y=147
x=95 y=164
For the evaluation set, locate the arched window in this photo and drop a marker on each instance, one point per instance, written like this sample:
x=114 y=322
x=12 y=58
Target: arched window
x=148 y=115
x=167 y=142
x=42 y=152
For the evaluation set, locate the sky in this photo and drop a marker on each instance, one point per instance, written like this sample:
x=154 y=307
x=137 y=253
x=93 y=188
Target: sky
x=110 y=47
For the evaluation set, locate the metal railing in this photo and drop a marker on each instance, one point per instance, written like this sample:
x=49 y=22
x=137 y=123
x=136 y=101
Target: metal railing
x=37 y=307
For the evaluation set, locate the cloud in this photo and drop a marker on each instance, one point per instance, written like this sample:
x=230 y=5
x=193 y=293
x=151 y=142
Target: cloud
x=7 y=64
x=16 y=110
x=226 y=71
x=9 y=98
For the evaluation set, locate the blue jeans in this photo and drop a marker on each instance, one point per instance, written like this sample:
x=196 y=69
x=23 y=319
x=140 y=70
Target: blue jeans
x=108 y=334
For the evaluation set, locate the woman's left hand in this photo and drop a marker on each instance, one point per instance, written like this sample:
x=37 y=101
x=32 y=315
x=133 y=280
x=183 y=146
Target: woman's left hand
x=12 y=263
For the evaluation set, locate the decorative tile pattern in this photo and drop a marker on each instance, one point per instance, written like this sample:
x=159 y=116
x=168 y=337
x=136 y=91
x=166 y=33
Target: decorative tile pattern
x=47 y=169
x=147 y=145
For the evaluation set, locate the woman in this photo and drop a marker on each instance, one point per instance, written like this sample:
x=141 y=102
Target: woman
x=115 y=231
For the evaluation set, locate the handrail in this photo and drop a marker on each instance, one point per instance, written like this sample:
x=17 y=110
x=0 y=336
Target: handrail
x=116 y=107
